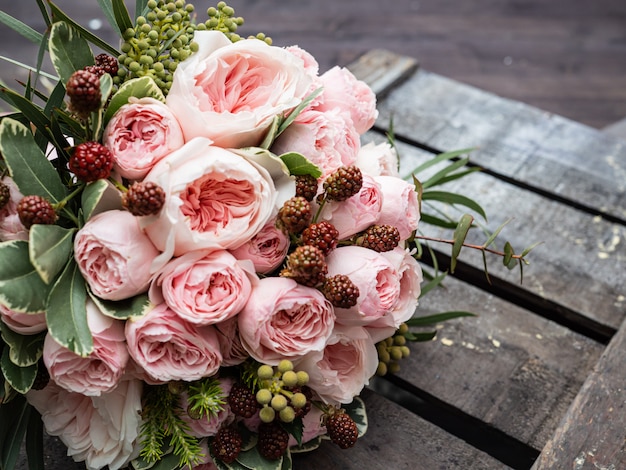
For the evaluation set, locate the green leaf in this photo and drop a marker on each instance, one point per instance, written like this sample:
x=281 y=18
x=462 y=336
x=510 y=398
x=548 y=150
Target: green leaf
x=436 y=221
x=33 y=113
x=168 y=462
x=420 y=337
x=442 y=157
x=34 y=441
x=20 y=378
x=295 y=428
x=454 y=199
x=252 y=459
x=272 y=132
x=438 y=177
x=429 y=320
x=301 y=107
x=122 y=18
x=106 y=85
x=24 y=350
x=307 y=446
x=107 y=9
x=21 y=288
x=49 y=248
x=459 y=238
x=508 y=260
x=287 y=461
x=69 y=52
x=133 y=307
x=356 y=410
x=28 y=165
x=21 y=28
x=100 y=196
x=435 y=282
x=495 y=234
x=66 y=312
x=140 y=7
x=14 y=418
x=139 y=88
x=299 y=165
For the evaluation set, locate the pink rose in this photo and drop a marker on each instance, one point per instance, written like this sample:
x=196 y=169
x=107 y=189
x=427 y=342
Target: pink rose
x=207 y=426
x=327 y=138
x=114 y=255
x=10 y=226
x=203 y=287
x=311 y=426
x=139 y=134
x=356 y=213
x=266 y=249
x=233 y=352
x=284 y=320
x=98 y=430
x=377 y=160
x=375 y=276
x=339 y=372
x=400 y=205
x=170 y=348
x=101 y=371
x=215 y=199
x=231 y=92
x=23 y=323
x=342 y=90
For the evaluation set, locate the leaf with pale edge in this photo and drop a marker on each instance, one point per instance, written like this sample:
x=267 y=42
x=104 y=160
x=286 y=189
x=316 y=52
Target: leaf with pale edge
x=307 y=446
x=28 y=165
x=99 y=196
x=24 y=350
x=49 y=247
x=139 y=88
x=356 y=411
x=66 y=312
x=20 y=378
x=69 y=52
x=299 y=165
x=252 y=459
x=21 y=287
x=133 y=307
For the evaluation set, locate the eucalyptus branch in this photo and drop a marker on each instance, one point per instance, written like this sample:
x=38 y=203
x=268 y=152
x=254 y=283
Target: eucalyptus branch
x=482 y=248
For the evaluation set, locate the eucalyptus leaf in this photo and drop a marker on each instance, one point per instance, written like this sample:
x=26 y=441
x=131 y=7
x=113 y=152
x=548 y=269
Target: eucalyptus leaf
x=137 y=87
x=301 y=107
x=28 y=165
x=21 y=287
x=272 y=132
x=435 y=282
x=460 y=233
x=439 y=158
x=420 y=337
x=24 y=350
x=49 y=246
x=133 y=307
x=122 y=18
x=14 y=419
x=299 y=165
x=20 y=378
x=20 y=27
x=454 y=199
x=69 y=52
x=429 y=320
x=66 y=313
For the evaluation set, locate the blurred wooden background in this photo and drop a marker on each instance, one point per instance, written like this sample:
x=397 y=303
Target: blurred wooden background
x=564 y=56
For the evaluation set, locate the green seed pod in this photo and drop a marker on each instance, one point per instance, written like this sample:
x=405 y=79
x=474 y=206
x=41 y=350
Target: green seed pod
x=279 y=402
x=134 y=66
x=298 y=400
x=290 y=378
x=394 y=368
x=303 y=377
x=141 y=20
x=152 y=4
x=267 y=414
x=264 y=396
x=126 y=48
x=399 y=340
x=146 y=60
x=287 y=415
x=176 y=17
x=406 y=352
x=128 y=34
x=381 y=370
x=396 y=353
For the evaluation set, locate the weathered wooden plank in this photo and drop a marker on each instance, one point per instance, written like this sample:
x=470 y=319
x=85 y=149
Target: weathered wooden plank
x=397 y=439
x=592 y=434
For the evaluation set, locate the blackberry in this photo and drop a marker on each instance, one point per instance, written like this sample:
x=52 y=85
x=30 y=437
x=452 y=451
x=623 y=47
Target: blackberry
x=242 y=401
x=226 y=444
x=322 y=235
x=380 y=238
x=35 y=209
x=306 y=187
x=342 y=429
x=295 y=215
x=83 y=90
x=273 y=440
x=5 y=195
x=91 y=161
x=340 y=291
x=108 y=64
x=343 y=183
x=144 y=198
x=306 y=265
x=95 y=69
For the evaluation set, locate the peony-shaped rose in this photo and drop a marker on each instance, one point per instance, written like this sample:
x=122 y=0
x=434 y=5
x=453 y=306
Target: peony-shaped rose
x=284 y=320
x=339 y=372
x=375 y=276
x=139 y=134
x=400 y=205
x=231 y=92
x=266 y=249
x=207 y=426
x=23 y=323
x=233 y=352
x=344 y=91
x=100 y=430
x=327 y=139
x=170 y=348
x=215 y=199
x=114 y=255
x=204 y=287
x=11 y=228
x=357 y=212
x=101 y=371
x=378 y=159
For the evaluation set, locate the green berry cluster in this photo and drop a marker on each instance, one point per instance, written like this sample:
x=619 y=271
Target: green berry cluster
x=222 y=18
x=280 y=392
x=391 y=351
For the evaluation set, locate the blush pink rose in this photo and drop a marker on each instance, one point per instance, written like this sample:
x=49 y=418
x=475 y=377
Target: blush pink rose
x=207 y=426
x=215 y=199
x=344 y=91
x=100 y=430
x=284 y=320
x=139 y=134
x=378 y=159
x=114 y=255
x=204 y=287
x=358 y=212
x=375 y=276
x=233 y=352
x=170 y=348
x=23 y=323
x=327 y=139
x=266 y=249
x=101 y=371
x=339 y=372
x=400 y=205
x=10 y=226
x=231 y=92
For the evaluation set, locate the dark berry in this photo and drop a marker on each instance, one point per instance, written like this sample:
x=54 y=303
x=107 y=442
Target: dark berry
x=226 y=444
x=295 y=215
x=343 y=183
x=273 y=440
x=242 y=401
x=144 y=198
x=107 y=63
x=35 y=209
x=83 y=90
x=380 y=238
x=323 y=235
x=42 y=378
x=306 y=187
x=340 y=291
x=5 y=195
x=342 y=429
x=306 y=265
x=91 y=161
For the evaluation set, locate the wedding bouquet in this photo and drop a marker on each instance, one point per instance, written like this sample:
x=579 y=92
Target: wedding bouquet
x=201 y=263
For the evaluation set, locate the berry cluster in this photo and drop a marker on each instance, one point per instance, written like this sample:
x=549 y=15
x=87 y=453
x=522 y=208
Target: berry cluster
x=35 y=209
x=5 y=195
x=391 y=351
x=83 y=91
x=341 y=428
